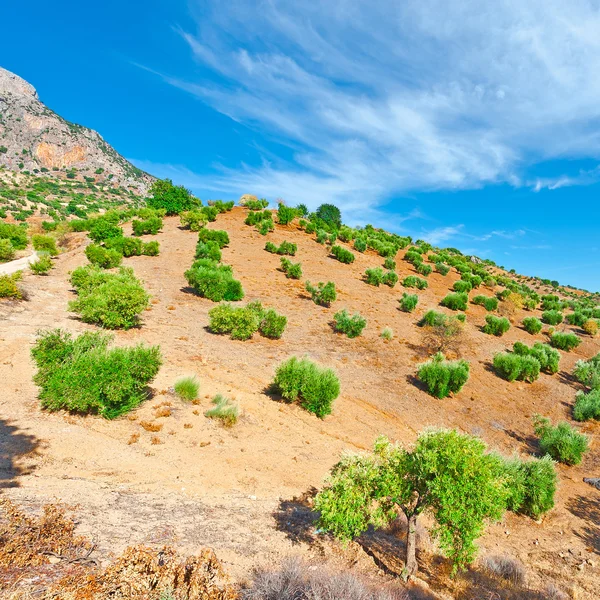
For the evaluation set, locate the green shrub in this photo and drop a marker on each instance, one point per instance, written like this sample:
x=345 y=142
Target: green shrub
x=103 y=257
x=214 y=235
x=42 y=265
x=150 y=248
x=324 y=294
x=224 y=410
x=387 y=334
x=343 y=255
x=272 y=324
x=408 y=302
x=587 y=372
x=114 y=301
x=322 y=236
x=374 y=276
x=291 y=270
x=330 y=214
x=83 y=375
x=9 y=287
x=315 y=387
x=587 y=406
x=562 y=442
x=389 y=264
x=284 y=248
x=170 y=198
x=149 y=226
x=214 y=281
x=511 y=366
x=432 y=318
x=346 y=234
x=548 y=357
x=285 y=214
x=194 y=220
x=552 y=317
x=443 y=377
x=461 y=286
x=415 y=282
x=456 y=301
x=208 y=250
x=265 y=227
x=576 y=318
x=360 y=244
x=489 y=303
x=255 y=205
x=532 y=325
x=187 y=388
x=126 y=246
x=564 y=341
x=531 y=485
x=15 y=233
x=442 y=269
x=102 y=230
x=7 y=251
x=424 y=270
x=45 y=243
x=497 y=326
x=390 y=278
x=352 y=326
x=240 y=322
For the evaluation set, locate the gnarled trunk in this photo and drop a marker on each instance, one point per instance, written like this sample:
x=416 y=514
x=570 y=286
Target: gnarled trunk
x=411 y=566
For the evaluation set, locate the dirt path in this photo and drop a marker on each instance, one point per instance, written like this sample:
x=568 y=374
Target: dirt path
x=17 y=265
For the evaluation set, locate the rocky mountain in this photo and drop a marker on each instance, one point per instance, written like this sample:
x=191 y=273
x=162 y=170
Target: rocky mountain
x=34 y=138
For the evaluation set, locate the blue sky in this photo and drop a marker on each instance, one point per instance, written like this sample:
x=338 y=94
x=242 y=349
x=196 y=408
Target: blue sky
x=473 y=125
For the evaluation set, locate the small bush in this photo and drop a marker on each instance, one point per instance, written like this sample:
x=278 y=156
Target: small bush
x=442 y=269
x=264 y=227
x=284 y=248
x=548 y=357
x=443 y=377
x=285 y=214
x=150 y=248
x=102 y=230
x=42 y=265
x=9 y=287
x=15 y=233
x=511 y=366
x=7 y=251
x=564 y=341
x=315 y=387
x=562 y=442
x=390 y=278
x=272 y=324
x=387 y=334
x=240 y=322
x=587 y=372
x=432 y=318
x=360 y=244
x=83 y=375
x=214 y=235
x=224 y=410
x=408 y=302
x=194 y=220
x=374 y=276
x=291 y=270
x=423 y=269
x=187 y=388
x=45 y=243
x=209 y=249
x=552 y=317
x=126 y=246
x=489 y=303
x=352 y=326
x=103 y=257
x=324 y=294
x=591 y=327
x=150 y=226
x=214 y=281
x=456 y=301
x=532 y=325
x=389 y=264
x=461 y=286
x=343 y=255
x=587 y=406
x=497 y=326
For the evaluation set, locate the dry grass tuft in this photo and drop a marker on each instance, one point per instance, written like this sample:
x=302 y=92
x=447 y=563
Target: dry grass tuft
x=155 y=440
x=187 y=425
x=163 y=411
x=149 y=426
x=135 y=437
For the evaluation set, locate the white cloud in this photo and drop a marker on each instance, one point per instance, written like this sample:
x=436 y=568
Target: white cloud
x=385 y=98
x=441 y=234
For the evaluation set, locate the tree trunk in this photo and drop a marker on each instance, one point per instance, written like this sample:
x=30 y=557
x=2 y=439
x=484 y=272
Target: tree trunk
x=411 y=566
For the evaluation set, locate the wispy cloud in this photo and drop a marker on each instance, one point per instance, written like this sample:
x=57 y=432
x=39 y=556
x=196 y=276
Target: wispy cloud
x=439 y=235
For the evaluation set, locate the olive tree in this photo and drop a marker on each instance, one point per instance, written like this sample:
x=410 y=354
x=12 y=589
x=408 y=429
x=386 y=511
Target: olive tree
x=447 y=473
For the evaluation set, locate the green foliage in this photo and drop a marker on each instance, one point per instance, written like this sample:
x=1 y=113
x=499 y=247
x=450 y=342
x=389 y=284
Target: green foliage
x=532 y=325
x=9 y=287
x=587 y=372
x=15 y=233
x=45 y=243
x=284 y=248
x=352 y=326
x=423 y=269
x=330 y=214
x=433 y=318
x=209 y=249
x=322 y=236
x=265 y=227
x=272 y=324
x=408 y=302
x=223 y=410
x=447 y=474
x=587 y=406
x=360 y=244
x=511 y=366
x=562 y=442
x=456 y=301
x=126 y=246
x=7 y=251
x=150 y=248
x=497 y=326
x=112 y=300
x=315 y=387
x=243 y=322
x=42 y=265
x=256 y=205
x=552 y=317
x=389 y=264
x=387 y=334
x=442 y=269
x=343 y=255
x=194 y=220
x=548 y=357
x=150 y=226
x=390 y=278
x=324 y=294
x=564 y=341
x=83 y=375
x=374 y=276
x=214 y=235
x=214 y=281
x=531 y=485
x=103 y=257
x=443 y=377
x=187 y=388
x=285 y=214
x=463 y=286
x=488 y=302
x=415 y=282
x=173 y=199
x=291 y=270
x=577 y=318
x=102 y=230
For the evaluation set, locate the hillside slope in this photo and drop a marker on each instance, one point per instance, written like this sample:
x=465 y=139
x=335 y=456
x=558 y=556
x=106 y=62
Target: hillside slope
x=33 y=137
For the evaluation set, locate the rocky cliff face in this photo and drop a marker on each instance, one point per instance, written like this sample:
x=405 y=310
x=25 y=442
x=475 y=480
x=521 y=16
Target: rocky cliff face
x=33 y=137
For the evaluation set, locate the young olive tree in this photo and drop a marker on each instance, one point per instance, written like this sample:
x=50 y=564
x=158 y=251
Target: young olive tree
x=447 y=473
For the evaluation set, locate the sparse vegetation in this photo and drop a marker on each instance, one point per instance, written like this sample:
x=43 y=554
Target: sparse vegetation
x=187 y=388
x=343 y=255
x=9 y=287
x=214 y=281
x=497 y=326
x=223 y=410
x=291 y=270
x=243 y=322
x=352 y=326
x=532 y=325
x=456 y=301
x=42 y=265
x=315 y=387
x=45 y=243
x=324 y=294
x=408 y=302
x=564 y=341
x=415 y=282
x=387 y=334
x=443 y=377
x=488 y=302
x=562 y=442
x=284 y=248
